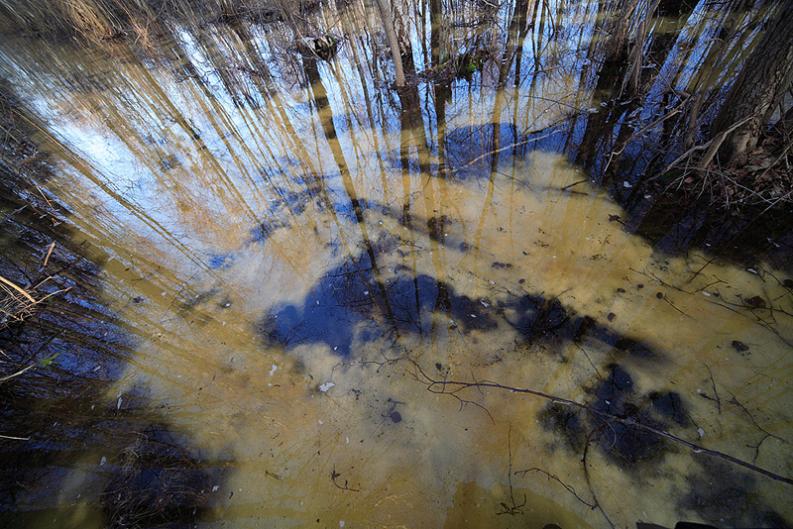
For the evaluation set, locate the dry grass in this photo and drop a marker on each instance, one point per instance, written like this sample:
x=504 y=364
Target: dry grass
x=16 y=303
x=100 y=20
x=91 y=19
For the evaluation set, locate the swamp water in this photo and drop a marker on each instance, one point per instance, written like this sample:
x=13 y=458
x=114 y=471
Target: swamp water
x=308 y=264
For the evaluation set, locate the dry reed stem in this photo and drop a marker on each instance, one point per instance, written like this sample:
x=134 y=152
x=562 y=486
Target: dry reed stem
x=18 y=373
x=49 y=254
x=17 y=288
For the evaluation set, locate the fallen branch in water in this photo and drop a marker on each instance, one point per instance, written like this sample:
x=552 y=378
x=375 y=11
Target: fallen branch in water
x=568 y=186
x=588 y=478
x=452 y=387
x=508 y=147
x=50 y=249
x=529 y=137
x=766 y=434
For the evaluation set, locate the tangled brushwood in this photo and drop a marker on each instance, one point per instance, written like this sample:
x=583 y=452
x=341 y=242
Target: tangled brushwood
x=16 y=304
x=765 y=182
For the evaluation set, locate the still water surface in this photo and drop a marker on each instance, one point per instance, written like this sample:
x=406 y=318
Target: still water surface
x=304 y=258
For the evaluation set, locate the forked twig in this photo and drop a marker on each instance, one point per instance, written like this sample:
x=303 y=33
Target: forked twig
x=452 y=387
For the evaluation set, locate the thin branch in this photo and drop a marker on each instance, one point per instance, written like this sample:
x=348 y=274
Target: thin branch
x=513 y=508
x=715 y=391
x=598 y=506
x=451 y=387
x=14 y=375
x=567 y=487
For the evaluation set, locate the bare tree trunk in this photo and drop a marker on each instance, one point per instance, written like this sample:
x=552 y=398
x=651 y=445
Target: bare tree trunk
x=393 y=43
x=758 y=89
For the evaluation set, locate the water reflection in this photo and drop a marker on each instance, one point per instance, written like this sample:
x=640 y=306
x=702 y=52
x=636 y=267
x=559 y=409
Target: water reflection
x=300 y=252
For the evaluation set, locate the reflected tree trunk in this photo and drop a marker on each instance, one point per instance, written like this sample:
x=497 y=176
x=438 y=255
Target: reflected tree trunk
x=612 y=70
x=393 y=43
x=758 y=89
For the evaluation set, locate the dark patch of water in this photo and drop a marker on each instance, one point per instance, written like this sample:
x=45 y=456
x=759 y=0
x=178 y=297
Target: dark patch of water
x=622 y=443
x=725 y=496
x=354 y=301
x=537 y=318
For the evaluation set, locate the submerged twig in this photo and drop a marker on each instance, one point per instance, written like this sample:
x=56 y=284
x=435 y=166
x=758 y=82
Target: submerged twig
x=49 y=254
x=598 y=506
x=717 y=399
x=568 y=186
x=18 y=373
x=766 y=433
x=11 y=437
x=334 y=476
x=451 y=387
x=513 y=508
x=568 y=488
